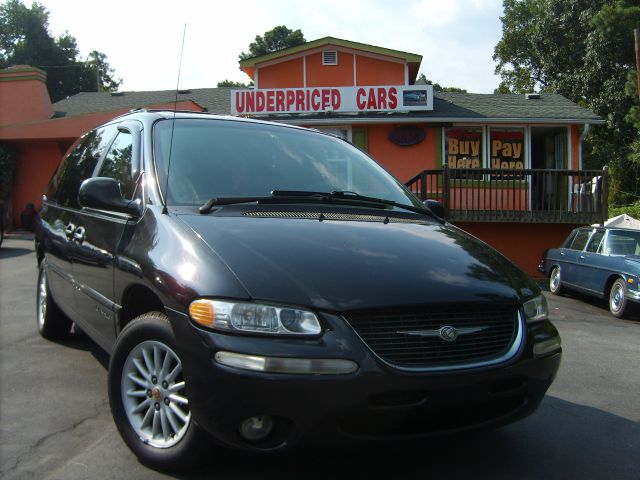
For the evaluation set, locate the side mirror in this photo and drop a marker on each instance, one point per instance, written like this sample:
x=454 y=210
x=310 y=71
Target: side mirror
x=103 y=193
x=435 y=206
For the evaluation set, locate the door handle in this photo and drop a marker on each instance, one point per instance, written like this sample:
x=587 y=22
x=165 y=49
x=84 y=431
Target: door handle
x=79 y=234
x=70 y=229
x=582 y=257
x=562 y=254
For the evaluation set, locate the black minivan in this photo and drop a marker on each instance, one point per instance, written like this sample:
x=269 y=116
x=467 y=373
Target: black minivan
x=260 y=284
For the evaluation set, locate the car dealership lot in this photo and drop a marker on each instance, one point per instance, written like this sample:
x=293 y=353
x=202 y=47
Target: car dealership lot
x=55 y=420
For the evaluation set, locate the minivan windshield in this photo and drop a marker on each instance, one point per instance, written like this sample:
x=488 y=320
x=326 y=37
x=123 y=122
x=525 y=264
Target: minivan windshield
x=225 y=158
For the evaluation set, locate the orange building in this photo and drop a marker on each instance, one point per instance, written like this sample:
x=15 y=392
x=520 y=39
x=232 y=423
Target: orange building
x=504 y=165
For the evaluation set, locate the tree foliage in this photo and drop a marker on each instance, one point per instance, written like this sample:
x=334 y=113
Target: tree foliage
x=437 y=87
x=25 y=39
x=276 y=39
x=234 y=84
x=584 y=50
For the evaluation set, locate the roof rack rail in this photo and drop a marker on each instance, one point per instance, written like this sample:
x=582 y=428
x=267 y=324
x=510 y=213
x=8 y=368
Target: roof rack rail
x=203 y=112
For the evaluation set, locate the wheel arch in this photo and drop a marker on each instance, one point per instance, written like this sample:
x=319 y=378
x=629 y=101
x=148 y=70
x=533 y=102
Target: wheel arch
x=609 y=283
x=552 y=266
x=137 y=300
x=39 y=252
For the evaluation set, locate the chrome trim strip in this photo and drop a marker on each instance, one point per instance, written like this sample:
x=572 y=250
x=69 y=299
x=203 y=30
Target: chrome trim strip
x=438 y=332
x=582 y=289
x=511 y=353
x=632 y=295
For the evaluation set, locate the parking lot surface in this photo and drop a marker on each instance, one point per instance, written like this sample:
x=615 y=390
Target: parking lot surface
x=55 y=421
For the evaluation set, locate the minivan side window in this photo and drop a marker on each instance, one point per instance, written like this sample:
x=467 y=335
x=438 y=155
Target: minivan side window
x=117 y=163
x=581 y=240
x=78 y=166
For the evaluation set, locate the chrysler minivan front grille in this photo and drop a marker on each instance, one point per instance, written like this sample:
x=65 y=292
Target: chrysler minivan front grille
x=440 y=337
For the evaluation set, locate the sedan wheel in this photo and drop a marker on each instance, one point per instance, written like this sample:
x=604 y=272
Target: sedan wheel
x=618 y=304
x=555 y=285
x=147 y=392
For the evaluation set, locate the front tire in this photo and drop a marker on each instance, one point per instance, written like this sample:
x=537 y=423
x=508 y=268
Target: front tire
x=618 y=303
x=148 y=396
x=52 y=322
x=555 y=283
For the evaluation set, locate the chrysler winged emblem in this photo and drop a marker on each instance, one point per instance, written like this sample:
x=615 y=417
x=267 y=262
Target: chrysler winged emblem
x=446 y=332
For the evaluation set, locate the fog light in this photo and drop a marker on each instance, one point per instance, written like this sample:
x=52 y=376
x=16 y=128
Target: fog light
x=256 y=428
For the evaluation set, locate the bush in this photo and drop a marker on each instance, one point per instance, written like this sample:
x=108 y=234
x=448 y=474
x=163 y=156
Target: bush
x=632 y=210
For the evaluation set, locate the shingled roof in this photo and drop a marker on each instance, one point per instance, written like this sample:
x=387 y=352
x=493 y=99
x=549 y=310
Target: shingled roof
x=215 y=100
x=448 y=107
x=509 y=106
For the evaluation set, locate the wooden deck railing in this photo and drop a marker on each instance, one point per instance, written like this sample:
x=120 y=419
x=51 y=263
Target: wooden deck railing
x=525 y=195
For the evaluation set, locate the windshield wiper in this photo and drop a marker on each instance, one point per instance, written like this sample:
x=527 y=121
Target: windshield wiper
x=348 y=195
x=280 y=198
x=337 y=196
x=213 y=202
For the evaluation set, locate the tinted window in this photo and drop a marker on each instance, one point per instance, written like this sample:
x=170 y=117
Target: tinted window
x=213 y=158
x=596 y=240
x=581 y=240
x=622 y=242
x=117 y=163
x=78 y=166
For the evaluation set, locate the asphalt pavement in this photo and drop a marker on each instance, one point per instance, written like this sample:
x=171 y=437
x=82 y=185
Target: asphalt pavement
x=55 y=421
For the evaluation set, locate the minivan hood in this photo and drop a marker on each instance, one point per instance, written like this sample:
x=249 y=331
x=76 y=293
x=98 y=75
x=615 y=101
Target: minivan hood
x=350 y=265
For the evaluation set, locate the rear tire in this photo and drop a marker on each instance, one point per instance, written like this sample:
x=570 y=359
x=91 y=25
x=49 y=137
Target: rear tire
x=52 y=322
x=148 y=396
x=618 y=303
x=555 y=283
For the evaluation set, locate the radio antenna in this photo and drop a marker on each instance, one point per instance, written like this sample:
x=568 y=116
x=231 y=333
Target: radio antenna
x=173 y=123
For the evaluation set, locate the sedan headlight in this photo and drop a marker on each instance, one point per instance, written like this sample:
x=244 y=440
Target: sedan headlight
x=253 y=318
x=536 y=309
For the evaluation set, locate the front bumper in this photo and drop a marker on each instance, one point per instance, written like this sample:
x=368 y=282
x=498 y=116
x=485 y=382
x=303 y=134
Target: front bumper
x=633 y=295
x=375 y=402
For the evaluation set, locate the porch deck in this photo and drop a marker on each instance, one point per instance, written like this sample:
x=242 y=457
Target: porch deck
x=516 y=196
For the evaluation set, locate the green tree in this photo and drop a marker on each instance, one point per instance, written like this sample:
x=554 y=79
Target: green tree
x=582 y=49
x=234 y=84
x=25 y=40
x=99 y=73
x=437 y=87
x=276 y=39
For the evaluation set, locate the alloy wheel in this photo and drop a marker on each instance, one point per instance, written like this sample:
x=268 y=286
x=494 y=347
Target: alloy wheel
x=153 y=394
x=42 y=300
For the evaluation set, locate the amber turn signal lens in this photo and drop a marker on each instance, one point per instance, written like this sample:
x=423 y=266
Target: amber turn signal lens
x=201 y=312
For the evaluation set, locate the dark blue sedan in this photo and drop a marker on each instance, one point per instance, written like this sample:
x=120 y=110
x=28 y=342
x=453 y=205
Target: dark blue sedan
x=599 y=261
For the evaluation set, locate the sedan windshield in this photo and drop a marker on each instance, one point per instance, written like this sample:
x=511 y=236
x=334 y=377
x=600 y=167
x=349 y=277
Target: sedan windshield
x=224 y=158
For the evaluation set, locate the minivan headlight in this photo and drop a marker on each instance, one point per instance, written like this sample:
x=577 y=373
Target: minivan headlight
x=536 y=309
x=253 y=318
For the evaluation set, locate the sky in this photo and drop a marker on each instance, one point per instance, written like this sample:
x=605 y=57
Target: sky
x=142 y=39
